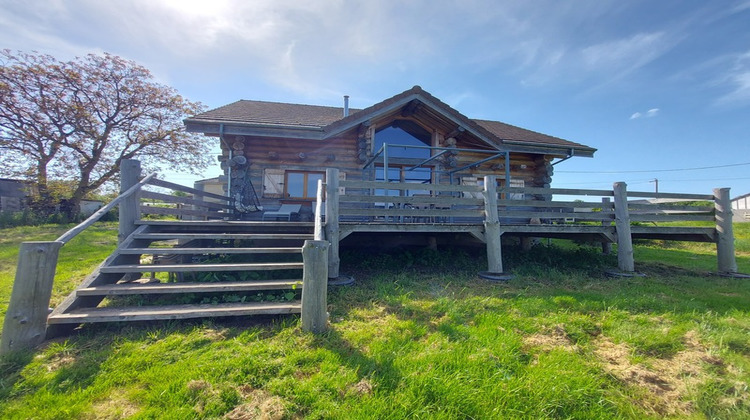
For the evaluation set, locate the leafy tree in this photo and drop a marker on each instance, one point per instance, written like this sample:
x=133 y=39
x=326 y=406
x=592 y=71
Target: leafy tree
x=77 y=120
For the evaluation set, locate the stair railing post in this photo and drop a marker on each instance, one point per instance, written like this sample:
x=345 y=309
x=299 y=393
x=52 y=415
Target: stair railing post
x=492 y=233
x=724 y=231
x=315 y=287
x=26 y=319
x=130 y=209
x=332 y=221
x=625 y=261
x=319 y=233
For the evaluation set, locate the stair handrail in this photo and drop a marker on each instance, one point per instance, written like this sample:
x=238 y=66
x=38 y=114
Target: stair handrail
x=72 y=233
x=25 y=321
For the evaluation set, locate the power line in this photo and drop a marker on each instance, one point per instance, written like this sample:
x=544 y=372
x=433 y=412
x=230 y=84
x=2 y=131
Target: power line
x=654 y=170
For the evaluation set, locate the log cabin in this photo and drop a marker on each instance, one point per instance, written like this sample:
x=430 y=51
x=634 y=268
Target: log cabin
x=274 y=153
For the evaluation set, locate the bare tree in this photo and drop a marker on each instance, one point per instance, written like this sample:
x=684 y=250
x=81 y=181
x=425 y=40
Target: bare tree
x=77 y=120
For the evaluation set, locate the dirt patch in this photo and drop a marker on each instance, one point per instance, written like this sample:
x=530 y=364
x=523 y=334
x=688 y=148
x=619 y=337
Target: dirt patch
x=363 y=387
x=554 y=338
x=59 y=361
x=669 y=382
x=116 y=407
x=261 y=406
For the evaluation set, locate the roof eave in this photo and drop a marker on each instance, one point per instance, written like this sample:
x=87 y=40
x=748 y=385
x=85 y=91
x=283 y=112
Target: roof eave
x=214 y=127
x=465 y=123
x=551 y=149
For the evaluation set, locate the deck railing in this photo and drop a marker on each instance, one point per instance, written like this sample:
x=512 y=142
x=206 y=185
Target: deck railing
x=613 y=213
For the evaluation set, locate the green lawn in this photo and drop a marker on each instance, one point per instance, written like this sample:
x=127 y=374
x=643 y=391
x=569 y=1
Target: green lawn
x=418 y=336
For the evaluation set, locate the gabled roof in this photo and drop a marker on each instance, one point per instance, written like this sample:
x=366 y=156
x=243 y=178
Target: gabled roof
x=314 y=122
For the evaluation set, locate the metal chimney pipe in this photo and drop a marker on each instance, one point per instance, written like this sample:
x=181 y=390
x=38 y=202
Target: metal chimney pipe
x=346 y=105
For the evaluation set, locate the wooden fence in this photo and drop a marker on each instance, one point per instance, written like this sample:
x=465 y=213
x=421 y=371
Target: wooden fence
x=489 y=211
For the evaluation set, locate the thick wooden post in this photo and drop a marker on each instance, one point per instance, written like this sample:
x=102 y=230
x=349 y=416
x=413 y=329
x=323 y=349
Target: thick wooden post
x=332 y=221
x=26 y=320
x=724 y=231
x=315 y=286
x=606 y=246
x=622 y=224
x=492 y=232
x=130 y=207
x=317 y=216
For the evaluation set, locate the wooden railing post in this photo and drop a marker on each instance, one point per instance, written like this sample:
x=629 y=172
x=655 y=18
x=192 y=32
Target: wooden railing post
x=622 y=224
x=315 y=287
x=606 y=246
x=318 y=217
x=724 y=231
x=26 y=319
x=492 y=233
x=332 y=221
x=130 y=207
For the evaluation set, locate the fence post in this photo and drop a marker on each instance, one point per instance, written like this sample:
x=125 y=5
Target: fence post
x=492 y=233
x=315 y=286
x=724 y=231
x=606 y=246
x=622 y=224
x=317 y=216
x=130 y=207
x=332 y=221
x=26 y=319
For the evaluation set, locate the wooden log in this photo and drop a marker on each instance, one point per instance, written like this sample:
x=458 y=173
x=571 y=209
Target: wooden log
x=130 y=171
x=26 y=319
x=317 y=217
x=625 y=260
x=315 y=287
x=332 y=221
x=724 y=231
x=492 y=232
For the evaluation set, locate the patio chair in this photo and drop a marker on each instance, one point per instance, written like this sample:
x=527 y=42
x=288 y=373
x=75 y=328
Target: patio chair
x=285 y=211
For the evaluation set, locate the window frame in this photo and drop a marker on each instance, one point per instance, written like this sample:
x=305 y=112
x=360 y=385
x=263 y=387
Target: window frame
x=305 y=182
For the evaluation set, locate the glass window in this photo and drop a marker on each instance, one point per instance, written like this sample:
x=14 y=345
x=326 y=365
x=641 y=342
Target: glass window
x=302 y=185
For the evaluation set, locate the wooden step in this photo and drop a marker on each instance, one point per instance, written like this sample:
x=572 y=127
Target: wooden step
x=165 y=288
x=198 y=251
x=150 y=313
x=185 y=268
x=222 y=236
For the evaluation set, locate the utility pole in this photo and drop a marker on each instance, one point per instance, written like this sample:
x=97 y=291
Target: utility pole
x=656 y=184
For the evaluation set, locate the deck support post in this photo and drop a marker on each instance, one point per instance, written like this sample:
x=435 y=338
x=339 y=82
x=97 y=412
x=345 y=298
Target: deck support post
x=26 y=319
x=625 y=261
x=492 y=233
x=130 y=208
x=606 y=245
x=332 y=221
x=315 y=287
x=724 y=232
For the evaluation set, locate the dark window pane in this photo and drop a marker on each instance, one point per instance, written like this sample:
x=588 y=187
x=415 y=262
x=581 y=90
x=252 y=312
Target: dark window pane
x=295 y=186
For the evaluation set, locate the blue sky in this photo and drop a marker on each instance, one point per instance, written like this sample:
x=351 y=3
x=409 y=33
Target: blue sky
x=657 y=86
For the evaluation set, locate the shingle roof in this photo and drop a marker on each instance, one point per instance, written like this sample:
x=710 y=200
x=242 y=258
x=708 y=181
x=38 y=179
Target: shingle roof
x=331 y=119
x=275 y=113
x=511 y=132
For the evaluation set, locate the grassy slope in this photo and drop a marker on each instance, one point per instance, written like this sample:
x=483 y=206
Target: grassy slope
x=420 y=336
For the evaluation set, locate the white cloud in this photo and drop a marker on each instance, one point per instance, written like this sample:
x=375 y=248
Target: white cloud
x=651 y=113
x=737 y=80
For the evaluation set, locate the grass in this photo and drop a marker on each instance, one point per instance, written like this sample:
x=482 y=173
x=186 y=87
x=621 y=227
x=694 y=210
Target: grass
x=419 y=336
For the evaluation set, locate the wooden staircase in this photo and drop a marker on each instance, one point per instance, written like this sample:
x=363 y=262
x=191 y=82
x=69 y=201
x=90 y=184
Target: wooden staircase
x=215 y=269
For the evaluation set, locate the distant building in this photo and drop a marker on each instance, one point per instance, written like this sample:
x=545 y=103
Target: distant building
x=741 y=208
x=13 y=193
